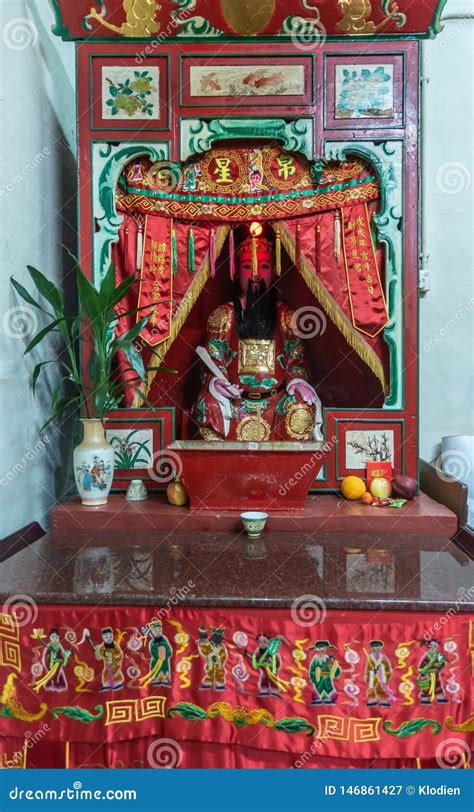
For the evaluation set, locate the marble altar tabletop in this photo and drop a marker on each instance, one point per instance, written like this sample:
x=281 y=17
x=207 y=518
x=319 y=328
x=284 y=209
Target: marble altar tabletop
x=348 y=571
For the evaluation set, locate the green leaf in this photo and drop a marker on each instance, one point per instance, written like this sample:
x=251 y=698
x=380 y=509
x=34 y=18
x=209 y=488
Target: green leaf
x=88 y=296
x=107 y=288
x=188 y=711
x=122 y=290
x=36 y=373
x=142 y=396
x=42 y=333
x=25 y=295
x=49 y=291
x=130 y=335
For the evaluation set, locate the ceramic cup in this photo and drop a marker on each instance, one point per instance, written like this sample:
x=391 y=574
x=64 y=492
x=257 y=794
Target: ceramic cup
x=136 y=491
x=254 y=522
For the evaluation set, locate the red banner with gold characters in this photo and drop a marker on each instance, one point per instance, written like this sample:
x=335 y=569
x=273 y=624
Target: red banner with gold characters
x=100 y=686
x=366 y=298
x=156 y=280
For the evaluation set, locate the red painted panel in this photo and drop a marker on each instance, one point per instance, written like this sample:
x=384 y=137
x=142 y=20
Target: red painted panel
x=234 y=18
x=371 y=406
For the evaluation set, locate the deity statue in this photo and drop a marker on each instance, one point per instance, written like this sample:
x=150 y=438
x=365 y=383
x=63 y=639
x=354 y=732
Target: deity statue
x=256 y=383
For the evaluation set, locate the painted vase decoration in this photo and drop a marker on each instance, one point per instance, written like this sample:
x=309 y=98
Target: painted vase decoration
x=93 y=464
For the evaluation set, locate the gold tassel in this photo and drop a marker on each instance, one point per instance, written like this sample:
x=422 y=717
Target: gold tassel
x=277 y=250
x=298 y=245
x=337 y=236
x=352 y=336
x=191 y=297
x=254 y=257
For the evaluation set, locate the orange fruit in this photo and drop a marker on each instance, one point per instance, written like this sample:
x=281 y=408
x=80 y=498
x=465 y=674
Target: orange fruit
x=353 y=487
x=366 y=498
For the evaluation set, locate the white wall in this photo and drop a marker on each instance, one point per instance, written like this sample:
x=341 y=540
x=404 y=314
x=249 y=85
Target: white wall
x=447 y=309
x=37 y=208
x=37 y=214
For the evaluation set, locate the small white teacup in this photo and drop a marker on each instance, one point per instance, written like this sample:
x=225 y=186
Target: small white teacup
x=254 y=522
x=136 y=491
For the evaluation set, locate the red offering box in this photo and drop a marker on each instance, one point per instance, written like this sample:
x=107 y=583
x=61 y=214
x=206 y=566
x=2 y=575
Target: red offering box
x=379 y=469
x=247 y=476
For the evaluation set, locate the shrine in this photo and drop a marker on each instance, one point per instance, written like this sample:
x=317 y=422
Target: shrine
x=258 y=563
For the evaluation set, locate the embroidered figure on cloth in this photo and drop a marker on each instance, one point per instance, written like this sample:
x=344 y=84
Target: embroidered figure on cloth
x=267 y=661
x=429 y=675
x=214 y=653
x=377 y=675
x=55 y=659
x=324 y=669
x=111 y=655
x=160 y=656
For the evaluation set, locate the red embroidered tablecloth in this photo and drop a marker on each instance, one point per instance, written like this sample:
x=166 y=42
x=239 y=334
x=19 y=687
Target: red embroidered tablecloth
x=116 y=686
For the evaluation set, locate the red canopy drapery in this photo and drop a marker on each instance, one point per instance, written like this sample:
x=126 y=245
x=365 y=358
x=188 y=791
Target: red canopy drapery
x=184 y=215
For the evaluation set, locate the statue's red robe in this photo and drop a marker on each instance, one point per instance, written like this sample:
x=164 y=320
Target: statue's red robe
x=262 y=369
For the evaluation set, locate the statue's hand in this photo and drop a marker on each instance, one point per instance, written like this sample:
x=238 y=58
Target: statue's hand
x=302 y=391
x=226 y=389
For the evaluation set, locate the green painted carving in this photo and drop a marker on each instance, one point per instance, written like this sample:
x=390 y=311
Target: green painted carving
x=386 y=158
x=304 y=29
x=199 y=135
x=58 y=28
x=196 y=26
x=436 y=26
x=390 y=9
x=108 y=161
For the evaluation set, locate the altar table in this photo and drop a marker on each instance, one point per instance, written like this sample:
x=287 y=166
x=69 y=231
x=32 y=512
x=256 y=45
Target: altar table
x=204 y=649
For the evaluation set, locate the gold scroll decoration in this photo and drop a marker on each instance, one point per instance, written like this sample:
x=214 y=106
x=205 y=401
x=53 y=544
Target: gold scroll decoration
x=139 y=18
x=248 y=17
x=356 y=17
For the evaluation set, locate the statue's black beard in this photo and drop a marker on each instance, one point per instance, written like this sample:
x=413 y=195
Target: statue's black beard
x=258 y=319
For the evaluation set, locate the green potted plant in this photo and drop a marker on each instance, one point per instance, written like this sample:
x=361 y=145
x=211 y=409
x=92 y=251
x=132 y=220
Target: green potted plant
x=92 y=391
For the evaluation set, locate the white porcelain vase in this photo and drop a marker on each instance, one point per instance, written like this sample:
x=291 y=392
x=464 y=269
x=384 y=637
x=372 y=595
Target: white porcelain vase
x=93 y=464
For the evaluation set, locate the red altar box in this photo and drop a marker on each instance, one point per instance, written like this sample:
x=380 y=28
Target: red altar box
x=247 y=476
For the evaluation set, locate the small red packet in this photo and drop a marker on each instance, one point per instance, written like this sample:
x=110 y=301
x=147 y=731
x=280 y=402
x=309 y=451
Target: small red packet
x=379 y=469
